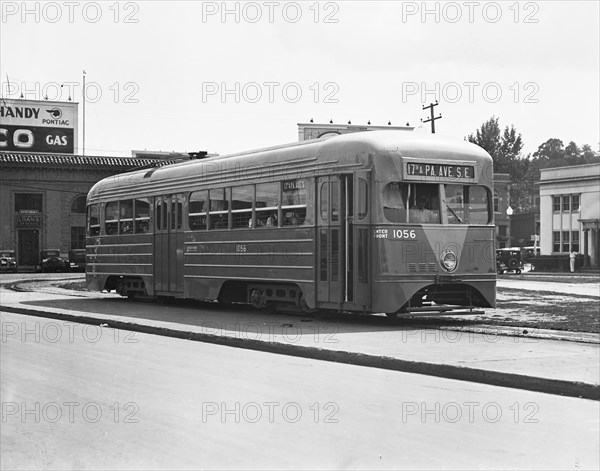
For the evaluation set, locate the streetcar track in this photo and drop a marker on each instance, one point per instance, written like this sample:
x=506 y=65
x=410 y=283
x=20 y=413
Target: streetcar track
x=431 y=322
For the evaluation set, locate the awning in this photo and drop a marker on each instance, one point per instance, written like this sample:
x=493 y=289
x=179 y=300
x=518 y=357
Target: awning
x=587 y=224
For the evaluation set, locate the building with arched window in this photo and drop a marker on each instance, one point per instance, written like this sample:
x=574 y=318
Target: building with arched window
x=43 y=200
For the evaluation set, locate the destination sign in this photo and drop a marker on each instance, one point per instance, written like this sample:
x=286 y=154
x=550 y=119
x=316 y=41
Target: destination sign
x=440 y=170
x=293 y=185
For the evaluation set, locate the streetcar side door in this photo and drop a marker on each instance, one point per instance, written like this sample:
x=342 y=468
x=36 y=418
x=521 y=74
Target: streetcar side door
x=361 y=247
x=335 y=267
x=168 y=243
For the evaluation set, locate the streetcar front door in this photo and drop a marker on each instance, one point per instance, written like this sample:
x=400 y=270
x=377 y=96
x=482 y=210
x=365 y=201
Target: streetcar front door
x=335 y=267
x=168 y=243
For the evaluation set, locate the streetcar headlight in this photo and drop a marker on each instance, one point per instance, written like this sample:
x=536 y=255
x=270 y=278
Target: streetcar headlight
x=448 y=260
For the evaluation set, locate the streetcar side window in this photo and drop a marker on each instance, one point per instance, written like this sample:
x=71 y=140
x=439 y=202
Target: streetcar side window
x=293 y=206
x=158 y=214
x=363 y=198
x=219 y=208
x=241 y=206
x=479 y=205
x=197 y=209
x=176 y=212
x=142 y=216
x=126 y=217
x=395 y=196
x=94 y=219
x=161 y=213
x=267 y=205
x=335 y=198
x=111 y=217
x=324 y=201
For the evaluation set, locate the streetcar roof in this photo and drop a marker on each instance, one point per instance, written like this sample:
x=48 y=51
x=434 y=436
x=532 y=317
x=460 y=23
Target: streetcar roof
x=350 y=147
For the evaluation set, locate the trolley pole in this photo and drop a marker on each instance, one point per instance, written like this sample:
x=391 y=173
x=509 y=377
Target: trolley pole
x=432 y=119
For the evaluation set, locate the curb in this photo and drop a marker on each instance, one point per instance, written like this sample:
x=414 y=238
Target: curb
x=494 y=378
x=529 y=333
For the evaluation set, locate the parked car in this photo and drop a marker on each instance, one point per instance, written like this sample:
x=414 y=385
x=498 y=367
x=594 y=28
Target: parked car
x=509 y=259
x=8 y=261
x=76 y=260
x=52 y=261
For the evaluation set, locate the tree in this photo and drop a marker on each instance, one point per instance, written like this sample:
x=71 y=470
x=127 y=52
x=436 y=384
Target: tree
x=510 y=150
x=488 y=136
x=551 y=154
x=505 y=149
x=588 y=155
x=572 y=150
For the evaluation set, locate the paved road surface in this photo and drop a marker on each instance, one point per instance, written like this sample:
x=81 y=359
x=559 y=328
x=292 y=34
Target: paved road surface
x=90 y=397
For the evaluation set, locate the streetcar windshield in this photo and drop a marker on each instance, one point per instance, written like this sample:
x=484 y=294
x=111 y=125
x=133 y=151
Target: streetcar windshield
x=466 y=204
x=434 y=204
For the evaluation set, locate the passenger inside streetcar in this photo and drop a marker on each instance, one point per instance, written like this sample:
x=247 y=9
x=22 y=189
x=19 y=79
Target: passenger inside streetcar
x=221 y=222
x=295 y=218
x=272 y=220
x=141 y=226
x=421 y=212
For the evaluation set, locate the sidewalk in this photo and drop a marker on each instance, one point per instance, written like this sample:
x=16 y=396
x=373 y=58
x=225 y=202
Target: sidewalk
x=556 y=367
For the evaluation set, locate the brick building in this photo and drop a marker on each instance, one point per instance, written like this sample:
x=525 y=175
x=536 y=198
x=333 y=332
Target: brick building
x=42 y=200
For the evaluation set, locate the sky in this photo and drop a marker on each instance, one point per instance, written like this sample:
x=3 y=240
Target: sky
x=232 y=76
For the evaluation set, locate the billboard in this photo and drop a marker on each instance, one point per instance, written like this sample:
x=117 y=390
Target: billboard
x=38 y=126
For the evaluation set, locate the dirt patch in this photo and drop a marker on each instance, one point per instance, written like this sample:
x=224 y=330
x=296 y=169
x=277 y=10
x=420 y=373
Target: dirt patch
x=542 y=310
x=75 y=285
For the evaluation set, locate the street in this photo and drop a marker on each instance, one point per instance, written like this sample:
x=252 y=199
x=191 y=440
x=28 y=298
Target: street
x=87 y=397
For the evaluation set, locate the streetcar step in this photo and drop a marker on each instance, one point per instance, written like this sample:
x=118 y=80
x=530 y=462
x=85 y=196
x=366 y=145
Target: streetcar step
x=443 y=309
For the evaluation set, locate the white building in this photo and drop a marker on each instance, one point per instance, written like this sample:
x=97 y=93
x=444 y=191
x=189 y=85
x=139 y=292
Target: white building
x=570 y=211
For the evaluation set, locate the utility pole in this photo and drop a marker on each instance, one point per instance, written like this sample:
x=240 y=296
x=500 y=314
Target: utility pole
x=83 y=95
x=432 y=119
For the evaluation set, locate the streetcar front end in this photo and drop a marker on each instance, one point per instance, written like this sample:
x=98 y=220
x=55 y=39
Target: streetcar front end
x=434 y=235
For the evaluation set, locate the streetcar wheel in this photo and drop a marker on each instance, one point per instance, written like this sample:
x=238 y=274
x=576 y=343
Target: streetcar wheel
x=302 y=304
x=257 y=299
x=121 y=289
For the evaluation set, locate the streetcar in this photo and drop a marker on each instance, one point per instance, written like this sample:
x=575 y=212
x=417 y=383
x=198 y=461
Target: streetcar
x=393 y=222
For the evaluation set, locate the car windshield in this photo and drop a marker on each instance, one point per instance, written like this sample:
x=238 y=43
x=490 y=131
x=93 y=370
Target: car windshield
x=7 y=254
x=508 y=253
